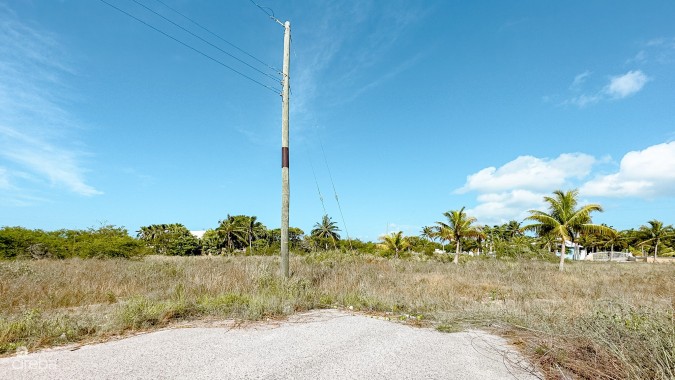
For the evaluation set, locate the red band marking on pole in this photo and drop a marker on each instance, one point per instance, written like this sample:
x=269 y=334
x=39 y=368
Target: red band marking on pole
x=284 y=157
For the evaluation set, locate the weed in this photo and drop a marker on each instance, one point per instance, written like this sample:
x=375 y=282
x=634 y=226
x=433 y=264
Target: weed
x=449 y=328
x=592 y=321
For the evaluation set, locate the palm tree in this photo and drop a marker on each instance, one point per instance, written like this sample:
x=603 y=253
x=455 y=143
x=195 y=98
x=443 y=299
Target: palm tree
x=654 y=233
x=230 y=231
x=210 y=242
x=564 y=220
x=253 y=231
x=326 y=229
x=489 y=233
x=512 y=229
x=147 y=233
x=547 y=241
x=612 y=238
x=429 y=233
x=154 y=237
x=396 y=242
x=459 y=226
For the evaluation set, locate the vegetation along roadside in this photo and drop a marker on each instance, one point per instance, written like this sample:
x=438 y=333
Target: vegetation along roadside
x=593 y=320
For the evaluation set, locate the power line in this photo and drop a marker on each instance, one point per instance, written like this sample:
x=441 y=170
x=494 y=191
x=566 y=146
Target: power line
x=276 y=91
x=271 y=15
x=220 y=38
x=317 y=187
x=336 y=195
x=205 y=41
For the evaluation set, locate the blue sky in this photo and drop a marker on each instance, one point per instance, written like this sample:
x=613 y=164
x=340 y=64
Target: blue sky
x=421 y=107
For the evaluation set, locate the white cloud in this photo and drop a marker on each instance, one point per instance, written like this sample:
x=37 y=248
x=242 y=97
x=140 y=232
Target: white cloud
x=498 y=208
x=532 y=173
x=511 y=190
x=627 y=84
x=508 y=192
x=646 y=173
x=36 y=131
x=619 y=87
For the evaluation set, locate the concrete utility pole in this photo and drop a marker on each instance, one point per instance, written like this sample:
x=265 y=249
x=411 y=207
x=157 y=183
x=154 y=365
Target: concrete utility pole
x=285 y=189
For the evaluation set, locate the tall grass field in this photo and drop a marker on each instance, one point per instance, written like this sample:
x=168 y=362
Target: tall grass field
x=593 y=321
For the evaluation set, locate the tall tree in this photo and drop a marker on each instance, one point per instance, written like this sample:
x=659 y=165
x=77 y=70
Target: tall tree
x=564 y=219
x=458 y=226
x=230 y=232
x=254 y=230
x=211 y=242
x=396 y=242
x=655 y=232
x=512 y=229
x=326 y=229
x=169 y=239
x=612 y=238
x=429 y=233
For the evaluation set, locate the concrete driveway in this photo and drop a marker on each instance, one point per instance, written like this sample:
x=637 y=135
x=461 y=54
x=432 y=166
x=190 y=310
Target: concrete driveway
x=323 y=344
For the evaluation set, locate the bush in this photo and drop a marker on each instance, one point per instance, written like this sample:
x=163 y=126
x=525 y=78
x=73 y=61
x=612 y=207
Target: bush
x=19 y=242
x=175 y=240
x=106 y=241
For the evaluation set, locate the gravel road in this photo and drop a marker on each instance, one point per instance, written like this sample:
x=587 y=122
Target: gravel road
x=324 y=344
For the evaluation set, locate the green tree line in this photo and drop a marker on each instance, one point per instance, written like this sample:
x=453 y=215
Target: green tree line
x=541 y=234
x=105 y=241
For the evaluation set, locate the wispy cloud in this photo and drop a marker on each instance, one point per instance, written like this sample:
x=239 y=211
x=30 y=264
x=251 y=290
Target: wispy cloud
x=37 y=138
x=331 y=64
x=625 y=85
x=584 y=100
x=640 y=57
x=584 y=91
x=59 y=166
x=407 y=229
x=617 y=87
x=4 y=179
x=388 y=75
x=660 y=50
x=579 y=80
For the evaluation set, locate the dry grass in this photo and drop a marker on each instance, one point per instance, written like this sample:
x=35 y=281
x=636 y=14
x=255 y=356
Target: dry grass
x=596 y=320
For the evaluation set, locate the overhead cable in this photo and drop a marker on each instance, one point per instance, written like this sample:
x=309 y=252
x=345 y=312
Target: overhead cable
x=336 y=195
x=270 y=13
x=317 y=187
x=220 y=38
x=205 y=41
x=275 y=90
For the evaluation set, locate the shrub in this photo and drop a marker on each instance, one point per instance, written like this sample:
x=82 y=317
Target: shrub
x=106 y=241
